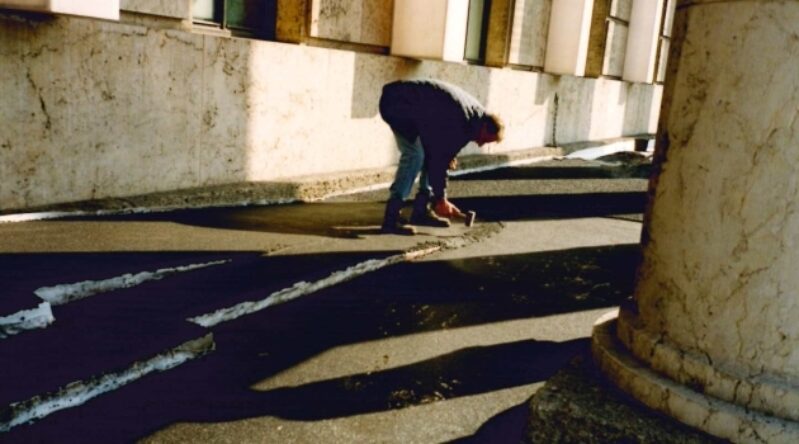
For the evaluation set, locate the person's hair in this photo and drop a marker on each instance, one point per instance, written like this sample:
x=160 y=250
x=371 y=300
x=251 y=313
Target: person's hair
x=494 y=125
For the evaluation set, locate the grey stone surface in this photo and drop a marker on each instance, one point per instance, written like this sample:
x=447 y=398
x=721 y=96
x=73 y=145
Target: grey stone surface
x=577 y=405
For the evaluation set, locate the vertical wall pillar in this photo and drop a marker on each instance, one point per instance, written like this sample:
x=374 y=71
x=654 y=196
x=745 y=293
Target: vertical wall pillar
x=499 y=30
x=642 y=41
x=665 y=41
x=431 y=29
x=567 y=42
x=608 y=39
x=712 y=337
x=292 y=20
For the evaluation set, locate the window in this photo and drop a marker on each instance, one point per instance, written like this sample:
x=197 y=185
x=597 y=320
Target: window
x=664 y=40
x=255 y=18
x=476 y=30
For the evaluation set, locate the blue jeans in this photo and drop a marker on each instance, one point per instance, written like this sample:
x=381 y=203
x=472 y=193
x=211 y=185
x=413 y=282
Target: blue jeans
x=411 y=163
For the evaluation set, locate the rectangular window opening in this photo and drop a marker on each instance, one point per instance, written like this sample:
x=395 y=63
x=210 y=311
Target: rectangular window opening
x=477 y=30
x=246 y=18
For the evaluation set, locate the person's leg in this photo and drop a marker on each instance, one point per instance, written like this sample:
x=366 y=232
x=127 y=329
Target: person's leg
x=424 y=184
x=422 y=215
x=410 y=163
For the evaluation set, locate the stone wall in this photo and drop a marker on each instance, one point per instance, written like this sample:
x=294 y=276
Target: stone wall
x=96 y=109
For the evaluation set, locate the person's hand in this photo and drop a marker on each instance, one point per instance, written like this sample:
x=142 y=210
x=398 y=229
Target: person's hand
x=444 y=208
x=453 y=164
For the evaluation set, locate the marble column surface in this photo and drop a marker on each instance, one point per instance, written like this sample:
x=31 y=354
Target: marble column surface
x=716 y=308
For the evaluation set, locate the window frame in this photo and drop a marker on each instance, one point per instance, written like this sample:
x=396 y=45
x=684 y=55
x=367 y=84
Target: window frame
x=220 y=21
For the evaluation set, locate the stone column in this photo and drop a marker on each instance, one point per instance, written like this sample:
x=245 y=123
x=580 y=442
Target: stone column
x=712 y=336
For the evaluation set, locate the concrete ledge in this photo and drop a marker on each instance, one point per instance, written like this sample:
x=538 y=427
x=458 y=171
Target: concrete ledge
x=299 y=189
x=717 y=417
x=304 y=188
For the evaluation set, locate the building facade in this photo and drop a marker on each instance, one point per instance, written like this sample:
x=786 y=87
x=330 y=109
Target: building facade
x=113 y=99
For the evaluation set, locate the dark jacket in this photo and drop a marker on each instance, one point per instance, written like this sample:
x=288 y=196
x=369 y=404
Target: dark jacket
x=442 y=115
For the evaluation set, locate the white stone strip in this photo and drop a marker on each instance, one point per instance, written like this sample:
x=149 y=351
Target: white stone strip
x=303 y=288
x=512 y=163
x=65 y=293
x=78 y=392
x=39 y=317
x=605 y=150
x=30 y=217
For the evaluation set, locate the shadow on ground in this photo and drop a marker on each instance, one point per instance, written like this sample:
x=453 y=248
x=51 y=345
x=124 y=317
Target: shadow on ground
x=392 y=302
x=553 y=206
x=352 y=219
x=641 y=171
x=506 y=427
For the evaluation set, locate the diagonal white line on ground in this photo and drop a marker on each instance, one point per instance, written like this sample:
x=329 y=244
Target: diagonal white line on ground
x=303 y=288
x=39 y=317
x=79 y=392
x=65 y=293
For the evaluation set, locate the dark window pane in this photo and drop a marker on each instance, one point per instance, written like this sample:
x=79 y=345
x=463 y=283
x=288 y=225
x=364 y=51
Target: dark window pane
x=245 y=14
x=475 y=30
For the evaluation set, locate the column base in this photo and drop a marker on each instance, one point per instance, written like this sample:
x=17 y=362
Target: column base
x=716 y=417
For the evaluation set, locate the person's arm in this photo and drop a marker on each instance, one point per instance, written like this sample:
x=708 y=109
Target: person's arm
x=437 y=175
x=445 y=208
x=440 y=155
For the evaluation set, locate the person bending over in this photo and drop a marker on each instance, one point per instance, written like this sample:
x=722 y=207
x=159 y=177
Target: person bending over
x=432 y=121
